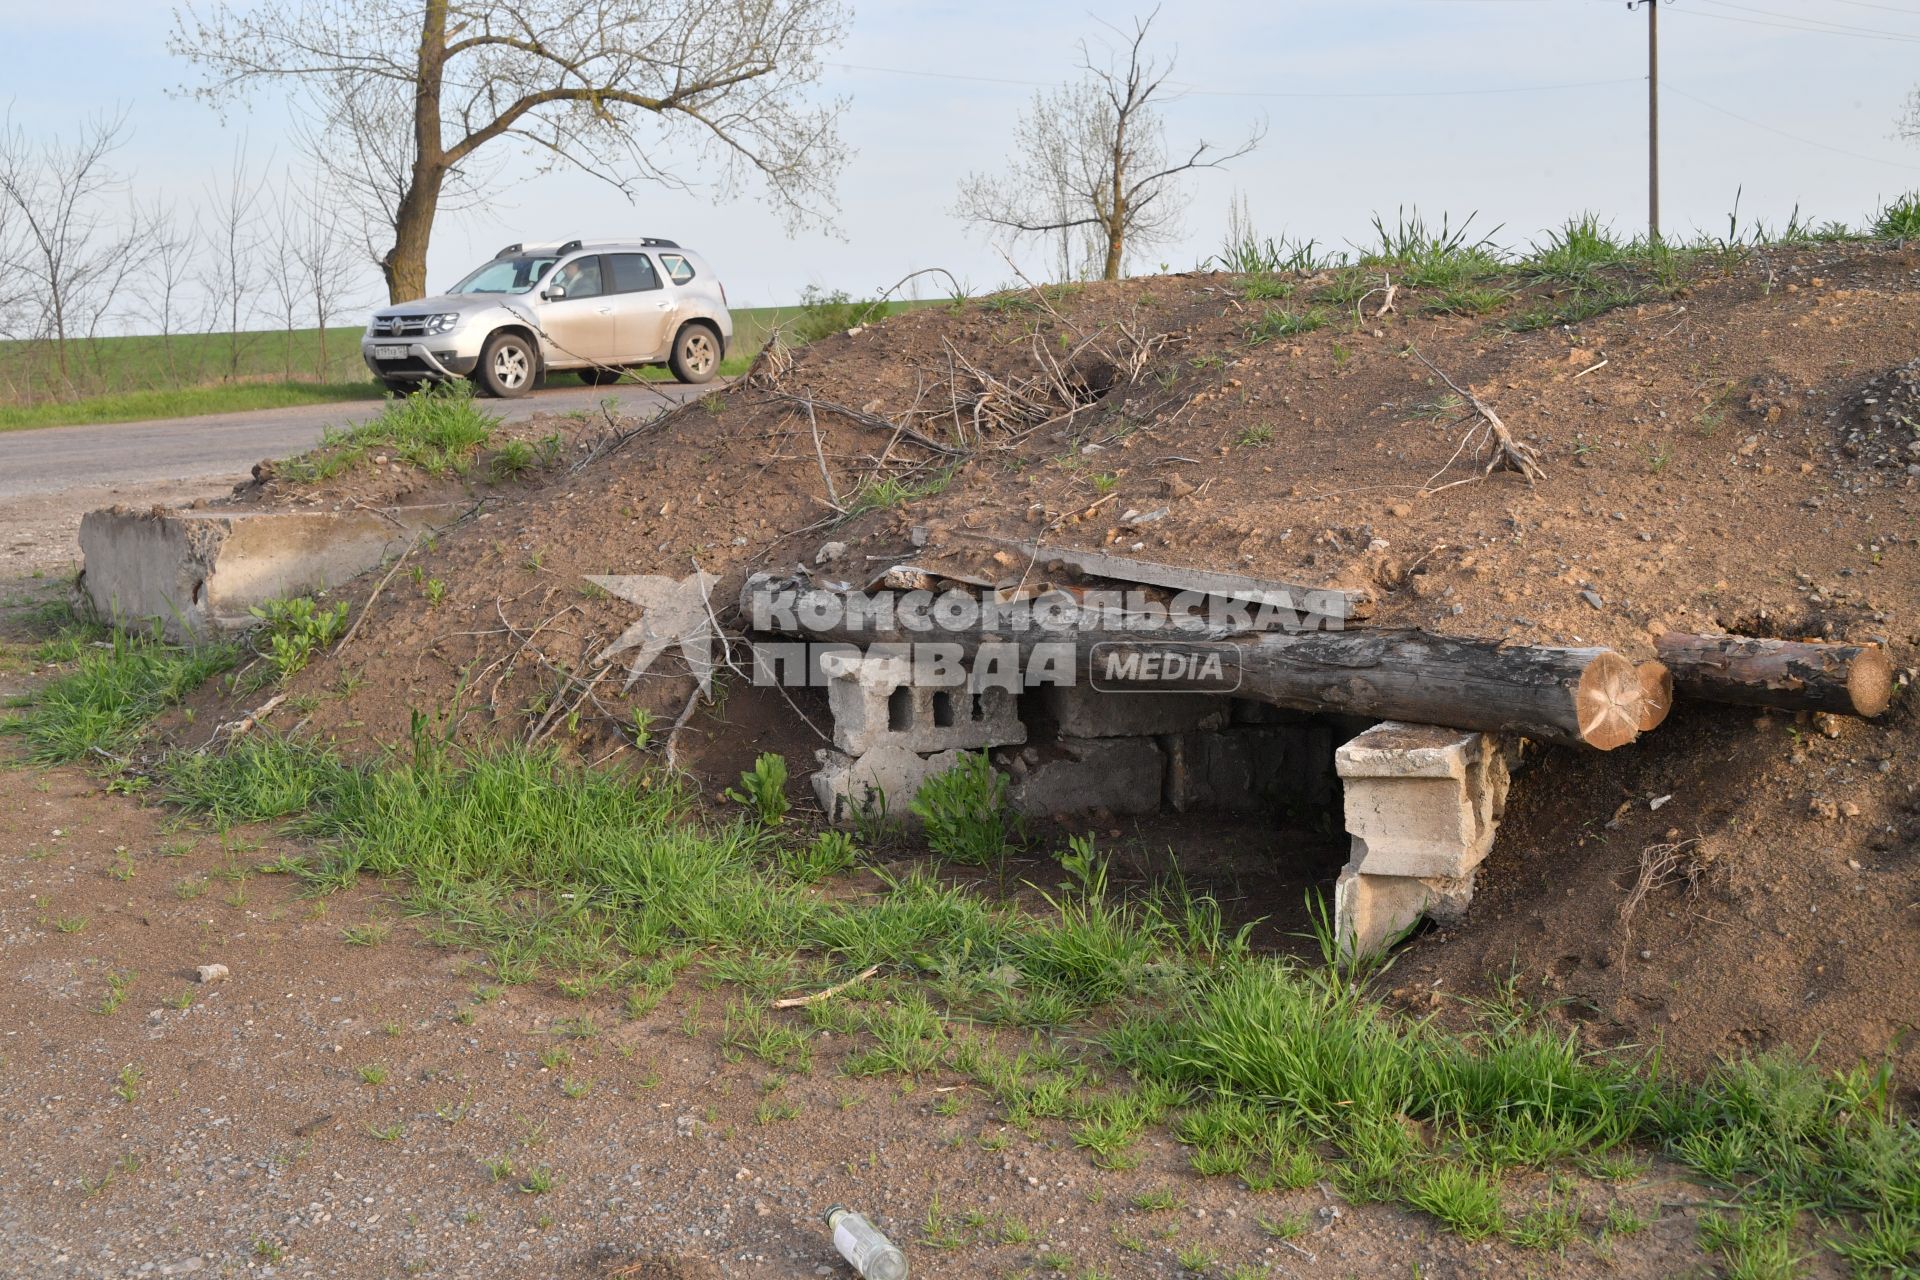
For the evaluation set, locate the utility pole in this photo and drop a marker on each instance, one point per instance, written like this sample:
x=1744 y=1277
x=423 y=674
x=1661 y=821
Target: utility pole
x=1653 y=116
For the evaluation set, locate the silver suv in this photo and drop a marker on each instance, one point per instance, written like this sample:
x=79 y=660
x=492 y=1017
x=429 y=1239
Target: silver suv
x=597 y=308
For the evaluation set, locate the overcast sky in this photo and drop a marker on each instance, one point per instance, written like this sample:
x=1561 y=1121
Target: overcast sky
x=1788 y=102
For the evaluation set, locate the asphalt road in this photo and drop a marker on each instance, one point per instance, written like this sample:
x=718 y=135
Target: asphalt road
x=222 y=448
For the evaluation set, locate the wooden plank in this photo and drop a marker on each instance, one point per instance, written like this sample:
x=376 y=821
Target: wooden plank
x=1336 y=603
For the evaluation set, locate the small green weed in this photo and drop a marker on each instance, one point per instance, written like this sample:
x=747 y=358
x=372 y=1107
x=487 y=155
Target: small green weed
x=296 y=629
x=763 y=788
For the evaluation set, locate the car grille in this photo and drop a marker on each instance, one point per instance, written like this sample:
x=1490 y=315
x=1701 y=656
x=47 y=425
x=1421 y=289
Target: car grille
x=399 y=326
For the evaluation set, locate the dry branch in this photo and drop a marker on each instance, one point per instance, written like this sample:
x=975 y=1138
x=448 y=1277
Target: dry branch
x=1506 y=453
x=795 y=1002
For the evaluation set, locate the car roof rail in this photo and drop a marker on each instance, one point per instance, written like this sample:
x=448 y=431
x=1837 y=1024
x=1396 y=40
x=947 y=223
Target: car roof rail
x=569 y=246
x=655 y=242
x=509 y=251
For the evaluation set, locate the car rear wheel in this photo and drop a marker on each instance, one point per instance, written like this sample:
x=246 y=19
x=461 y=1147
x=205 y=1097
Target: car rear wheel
x=600 y=375
x=696 y=354
x=508 y=366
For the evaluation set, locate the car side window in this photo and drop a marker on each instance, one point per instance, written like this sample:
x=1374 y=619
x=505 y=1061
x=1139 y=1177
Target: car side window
x=678 y=269
x=633 y=273
x=581 y=278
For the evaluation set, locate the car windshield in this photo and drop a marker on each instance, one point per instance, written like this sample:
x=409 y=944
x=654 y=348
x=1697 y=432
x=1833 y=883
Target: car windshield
x=507 y=275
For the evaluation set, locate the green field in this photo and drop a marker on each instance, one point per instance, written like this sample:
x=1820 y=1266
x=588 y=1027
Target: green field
x=132 y=379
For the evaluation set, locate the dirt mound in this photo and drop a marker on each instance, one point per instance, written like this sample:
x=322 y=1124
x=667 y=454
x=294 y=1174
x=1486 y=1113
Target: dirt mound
x=460 y=452
x=1727 y=452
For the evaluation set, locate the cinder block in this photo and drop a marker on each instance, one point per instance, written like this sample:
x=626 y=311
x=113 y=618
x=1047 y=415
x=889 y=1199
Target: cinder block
x=1076 y=775
x=1083 y=712
x=875 y=702
x=881 y=783
x=1422 y=801
x=1371 y=911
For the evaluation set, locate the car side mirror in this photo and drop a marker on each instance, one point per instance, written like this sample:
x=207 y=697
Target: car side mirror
x=555 y=292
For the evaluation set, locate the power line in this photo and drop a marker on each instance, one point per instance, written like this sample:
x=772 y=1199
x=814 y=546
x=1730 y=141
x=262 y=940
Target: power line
x=1888 y=8
x=1194 y=91
x=1786 y=26
x=1838 y=28
x=1811 y=142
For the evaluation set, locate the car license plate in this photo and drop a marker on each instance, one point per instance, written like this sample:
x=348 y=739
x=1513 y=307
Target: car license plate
x=389 y=353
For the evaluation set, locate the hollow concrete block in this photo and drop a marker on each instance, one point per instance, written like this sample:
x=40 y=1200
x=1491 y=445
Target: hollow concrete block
x=875 y=702
x=880 y=783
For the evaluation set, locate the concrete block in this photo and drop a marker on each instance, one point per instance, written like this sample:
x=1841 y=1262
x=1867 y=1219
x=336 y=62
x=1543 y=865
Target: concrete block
x=881 y=783
x=1250 y=766
x=201 y=572
x=1422 y=801
x=1392 y=749
x=1241 y=767
x=1079 y=711
x=1371 y=911
x=874 y=702
x=1077 y=775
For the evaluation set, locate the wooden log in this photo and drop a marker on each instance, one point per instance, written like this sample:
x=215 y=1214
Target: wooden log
x=1851 y=679
x=1581 y=697
x=1656 y=694
x=1590 y=697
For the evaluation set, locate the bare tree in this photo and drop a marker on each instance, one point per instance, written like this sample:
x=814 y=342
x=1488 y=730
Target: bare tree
x=163 y=292
x=419 y=91
x=329 y=265
x=74 y=253
x=230 y=267
x=1091 y=160
x=282 y=261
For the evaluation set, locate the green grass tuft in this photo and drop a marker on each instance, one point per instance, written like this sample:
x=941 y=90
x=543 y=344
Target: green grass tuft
x=1899 y=219
x=438 y=429
x=112 y=692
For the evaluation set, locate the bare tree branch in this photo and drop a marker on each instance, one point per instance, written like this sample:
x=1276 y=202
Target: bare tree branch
x=1092 y=158
x=399 y=98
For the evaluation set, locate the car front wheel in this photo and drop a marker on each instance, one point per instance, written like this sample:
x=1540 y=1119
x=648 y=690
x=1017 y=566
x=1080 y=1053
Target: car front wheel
x=696 y=354
x=508 y=366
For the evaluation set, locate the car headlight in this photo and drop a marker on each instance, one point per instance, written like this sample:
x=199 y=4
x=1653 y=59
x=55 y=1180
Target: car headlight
x=443 y=323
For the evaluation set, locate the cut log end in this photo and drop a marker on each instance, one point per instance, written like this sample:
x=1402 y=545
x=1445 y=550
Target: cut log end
x=1609 y=701
x=1870 y=683
x=1656 y=694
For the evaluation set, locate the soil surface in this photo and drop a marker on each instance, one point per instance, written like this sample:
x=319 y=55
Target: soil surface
x=236 y=1127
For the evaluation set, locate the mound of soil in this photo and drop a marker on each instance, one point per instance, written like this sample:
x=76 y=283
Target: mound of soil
x=1734 y=453
x=369 y=473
